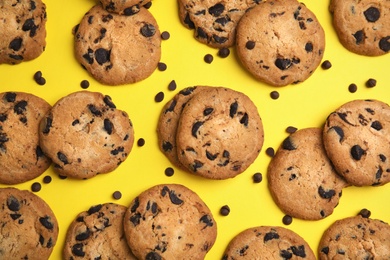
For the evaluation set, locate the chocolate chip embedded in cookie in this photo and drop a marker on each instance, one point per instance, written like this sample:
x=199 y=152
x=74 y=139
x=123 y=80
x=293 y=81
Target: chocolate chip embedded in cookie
x=220 y=133
x=21 y=157
x=103 y=41
x=301 y=178
x=85 y=134
x=362 y=26
x=169 y=222
x=280 y=42
x=124 y=7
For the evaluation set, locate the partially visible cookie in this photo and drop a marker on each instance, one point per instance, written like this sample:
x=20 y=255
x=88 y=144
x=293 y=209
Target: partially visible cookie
x=169 y=221
x=356 y=138
x=220 y=133
x=123 y=7
x=301 y=178
x=362 y=26
x=29 y=228
x=85 y=134
x=280 y=42
x=214 y=22
x=98 y=234
x=355 y=238
x=118 y=49
x=23 y=30
x=267 y=242
x=21 y=157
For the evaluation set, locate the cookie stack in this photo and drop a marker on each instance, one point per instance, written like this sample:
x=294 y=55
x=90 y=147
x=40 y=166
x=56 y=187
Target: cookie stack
x=213 y=132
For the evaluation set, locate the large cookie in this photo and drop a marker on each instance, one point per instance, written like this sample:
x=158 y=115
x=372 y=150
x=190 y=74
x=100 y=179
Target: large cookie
x=220 y=133
x=268 y=242
x=355 y=238
x=214 y=22
x=280 y=42
x=23 y=30
x=118 y=49
x=169 y=222
x=21 y=157
x=98 y=234
x=29 y=228
x=362 y=26
x=301 y=178
x=356 y=139
x=123 y=7
x=85 y=134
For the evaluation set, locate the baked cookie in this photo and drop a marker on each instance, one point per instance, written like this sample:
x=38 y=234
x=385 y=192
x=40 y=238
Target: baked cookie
x=220 y=133
x=267 y=242
x=356 y=137
x=362 y=26
x=124 y=7
x=280 y=42
x=21 y=157
x=169 y=120
x=169 y=222
x=301 y=178
x=23 y=30
x=214 y=22
x=355 y=238
x=85 y=134
x=29 y=228
x=98 y=234
x=103 y=41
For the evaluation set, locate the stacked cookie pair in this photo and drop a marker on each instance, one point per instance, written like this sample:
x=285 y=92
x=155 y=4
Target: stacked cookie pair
x=213 y=132
x=167 y=221
x=118 y=42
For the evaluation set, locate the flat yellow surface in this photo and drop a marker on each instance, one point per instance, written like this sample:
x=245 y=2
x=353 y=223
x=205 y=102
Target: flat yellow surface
x=303 y=105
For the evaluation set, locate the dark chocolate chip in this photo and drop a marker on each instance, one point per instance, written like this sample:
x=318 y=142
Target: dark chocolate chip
x=161 y=66
x=250 y=45
x=188 y=22
x=343 y=116
x=326 y=194
x=20 y=107
x=274 y=94
x=94 y=209
x=382 y=157
x=107 y=100
x=233 y=109
x=195 y=128
x=174 y=198
x=325 y=250
x=299 y=251
x=172 y=85
x=165 y=35
x=3 y=117
x=153 y=256
x=286 y=254
x=283 y=64
x=370 y=83
x=357 y=152
x=47 y=179
x=148 y=30
x=309 y=47
x=102 y=56
x=244 y=120
x=89 y=56
x=288 y=144
x=211 y=156
x=108 y=126
x=208 y=58
x=201 y=33
x=129 y=11
x=223 y=52
x=16 y=44
x=352 y=88
x=359 y=37
x=94 y=110
x=379 y=173
x=207 y=220
x=216 y=10
x=140 y=142
x=372 y=14
x=77 y=249
x=326 y=65
x=291 y=129
x=208 y=111
x=257 y=177
x=84 y=235
x=384 y=44
x=117 y=195
x=117 y=150
x=224 y=210
x=270 y=235
x=376 y=125
x=107 y=18
x=169 y=171
x=339 y=131
x=35 y=187
x=38 y=152
x=84 y=84
x=365 y=213
x=287 y=219
x=10 y=97
x=16 y=57
x=62 y=157
x=196 y=165
x=167 y=146
x=13 y=203
x=270 y=152
x=46 y=222
x=159 y=97
x=243 y=250
x=15 y=216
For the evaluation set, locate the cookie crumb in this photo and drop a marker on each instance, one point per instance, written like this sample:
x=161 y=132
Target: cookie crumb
x=117 y=195
x=39 y=79
x=208 y=58
x=223 y=52
x=352 y=88
x=162 y=66
x=270 y=151
x=84 y=84
x=326 y=65
x=365 y=213
x=274 y=94
x=287 y=220
x=291 y=129
x=165 y=35
x=47 y=179
x=169 y=171
x=370 y=83
x=141 y=142
x=159 y=97
x=225 y=210
x=35 y=187
x=172 y=85
x=257 y=177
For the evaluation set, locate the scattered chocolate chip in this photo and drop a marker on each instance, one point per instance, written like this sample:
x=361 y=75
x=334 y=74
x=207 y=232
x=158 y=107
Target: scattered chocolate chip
x=47 y=179
x=326 y=65
x=352 y=88
x=37 y=75
x=291 y=129
x=84 y=84
x=370 y=83
x=270 y=152
x=165 y=35
x=250 y=45
x=35 y=187
x=223 y=52
x=257 y=177
x=365 y=213
x=274 y=94
x=225 y=210
x=141 y=142
x=287 y=220
x=288 y=144
x=169 y=171
x=159 y=97
x=162 y=66
x=117 y=195
x=39 y=79
x=172 y=85
x=208 y=58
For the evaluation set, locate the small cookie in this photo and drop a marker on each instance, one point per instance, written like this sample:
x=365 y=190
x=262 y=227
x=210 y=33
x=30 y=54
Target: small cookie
x=98 y=234
x=220 y=133
x=169 y=222
x=355 y=238
x=85 y=134
x=21 y=157
x=214 y=22
x=103 y=41
x=123 y=7
x=362 y=26
x=169 y=120
x=280 y=42
x=301 y=178
x=29 y=228
x=356 y=138
x=268 y=242
x=23 y=30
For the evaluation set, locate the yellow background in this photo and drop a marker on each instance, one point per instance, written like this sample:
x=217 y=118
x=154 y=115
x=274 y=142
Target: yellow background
x=303 y=105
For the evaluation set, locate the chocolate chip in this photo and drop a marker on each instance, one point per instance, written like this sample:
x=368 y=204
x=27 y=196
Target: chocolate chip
x=195 y=128
x=102 y=56
x=365 y=213
x=359 y=37
x=352 y=88
x=223 y=52
x=326 y=65
x=129 y=11
x=117 y=195
x=84 y=84
x=286 y=254
x=270 y=235
x=141 y=142
x=94 y=110
x=291 y=129
x=47 y=179
x=41 y=81
x=13 y=203
x=283 y=64
x=376 y=125
x=148 y=5
x=299 y=251
x=357 y=152
x=10 y=97
x=188 y=22
x=384 y=44
x=117 y=150
x=288 y=144
x=20 y=107
x=208 y=111
x=326 y=194
x=208 y=58
x=270 y=152
x=196 y=165
x=107 y=100
x=211 y=156
x=257 y=177
x=77 y=249
x=325 y=250
x=45 y=221
x=244 y=120
x=216 y=10
x=108 y=126
x=174 y=198
x=339 y=131
x=84 y=235
x=88 y=56
x=16 y=44
x=172 y=85
x=233 y=109
x=94 y=209
x=29 y=25
x=206 y=219
x=372 y=14
x=159 y=97
x=274 y=94
x=370 y=83
x=36 y=186
x=309 y=47
x=225 y=210
x=287 y=219
x=161 y=66
x=250 y=45
x=153 y=256
x=167 y=146
x=62 y=157
x=165 y=35
x=148 y=30
x=3 y=117
x=169 y=171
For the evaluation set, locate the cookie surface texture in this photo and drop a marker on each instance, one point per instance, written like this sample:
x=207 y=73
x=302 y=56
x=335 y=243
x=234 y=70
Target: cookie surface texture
x=356 y=138
x=169 y=222
x=103 y=41
x=280 y=42
x=214 y=22
x=355 y=238
x=169 y=120
x=220 y=133
x=362 y=26
x=267 y=242
x=29 y=226
x=123 y=7
x=21 y=157
x=85 y=134
x=98 y=234
x=301 y=178
x=23 y=30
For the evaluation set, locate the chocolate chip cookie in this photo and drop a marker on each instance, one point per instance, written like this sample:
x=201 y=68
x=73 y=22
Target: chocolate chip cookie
x=280 y=42
x=85 y=134
x=21 y=157
x=123 y=7
x=169 y=221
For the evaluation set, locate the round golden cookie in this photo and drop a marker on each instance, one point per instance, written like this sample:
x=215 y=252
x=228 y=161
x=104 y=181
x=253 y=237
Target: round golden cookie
x=280 y=42
x=124 y=7
x=21 y=157
x=85 y=134
x=220 y=133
